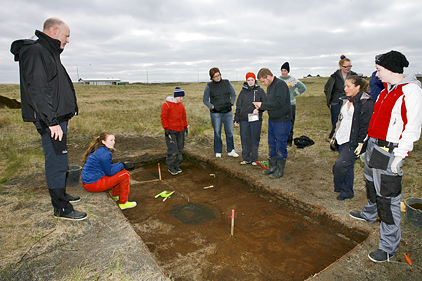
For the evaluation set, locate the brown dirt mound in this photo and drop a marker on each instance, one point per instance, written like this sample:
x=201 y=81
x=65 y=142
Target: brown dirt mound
x=10 y=103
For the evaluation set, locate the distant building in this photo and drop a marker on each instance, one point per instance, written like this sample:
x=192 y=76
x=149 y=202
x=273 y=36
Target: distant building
x=99 y=81
x=310 y=76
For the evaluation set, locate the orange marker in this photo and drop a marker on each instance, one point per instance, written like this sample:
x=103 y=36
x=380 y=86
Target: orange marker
x=407 y=259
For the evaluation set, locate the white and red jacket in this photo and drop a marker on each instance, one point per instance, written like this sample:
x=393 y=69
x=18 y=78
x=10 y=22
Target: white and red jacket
x=397 y=115
x=173 y=115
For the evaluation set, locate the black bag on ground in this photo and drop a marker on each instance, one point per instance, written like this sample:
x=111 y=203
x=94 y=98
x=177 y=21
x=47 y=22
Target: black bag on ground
x=303 y=141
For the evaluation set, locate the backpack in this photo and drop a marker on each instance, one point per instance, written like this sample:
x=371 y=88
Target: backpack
x=303 y=142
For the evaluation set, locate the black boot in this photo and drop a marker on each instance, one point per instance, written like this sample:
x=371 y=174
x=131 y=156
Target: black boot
x=272 y=166
x=279 y=171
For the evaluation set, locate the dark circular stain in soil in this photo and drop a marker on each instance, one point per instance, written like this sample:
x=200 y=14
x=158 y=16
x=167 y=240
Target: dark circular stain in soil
x=194 y=213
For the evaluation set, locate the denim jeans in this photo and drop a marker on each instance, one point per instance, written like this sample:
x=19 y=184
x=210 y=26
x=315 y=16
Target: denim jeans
x=217 y=119
x=250 y=135
x=278 y=134
x=343 y=170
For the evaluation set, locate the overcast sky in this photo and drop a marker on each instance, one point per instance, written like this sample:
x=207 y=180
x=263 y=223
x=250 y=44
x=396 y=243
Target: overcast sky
x=179 y=41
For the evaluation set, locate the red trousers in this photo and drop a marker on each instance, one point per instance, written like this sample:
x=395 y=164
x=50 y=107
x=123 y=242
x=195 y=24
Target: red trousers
x=120 y=183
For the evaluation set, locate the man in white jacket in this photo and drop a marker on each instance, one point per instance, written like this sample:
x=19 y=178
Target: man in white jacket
x=395 y=125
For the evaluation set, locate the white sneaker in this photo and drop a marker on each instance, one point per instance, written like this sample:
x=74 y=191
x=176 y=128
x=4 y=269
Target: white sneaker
x=233 y=154
x=218 y=155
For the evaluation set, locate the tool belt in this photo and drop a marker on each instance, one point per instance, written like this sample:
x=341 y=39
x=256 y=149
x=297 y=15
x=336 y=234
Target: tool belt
x=387 y=144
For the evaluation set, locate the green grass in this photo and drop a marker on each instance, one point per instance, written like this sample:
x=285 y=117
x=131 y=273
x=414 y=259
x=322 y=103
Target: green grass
x=129 y=110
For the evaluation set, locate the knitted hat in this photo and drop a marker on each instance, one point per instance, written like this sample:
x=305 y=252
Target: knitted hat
x=249 y=75
x=393 y=61
x=286 y=66
x=178 y=92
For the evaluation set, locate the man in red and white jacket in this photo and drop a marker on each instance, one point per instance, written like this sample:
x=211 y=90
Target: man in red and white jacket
x=395 y=125
x=173 y=119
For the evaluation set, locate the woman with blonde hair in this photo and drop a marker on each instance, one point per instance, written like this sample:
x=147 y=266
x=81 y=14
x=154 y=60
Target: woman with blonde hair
x=100 y=174
x=334 y=88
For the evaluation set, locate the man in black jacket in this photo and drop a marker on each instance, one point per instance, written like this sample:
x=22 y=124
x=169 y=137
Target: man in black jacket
x=49 y=101
x=279 y=122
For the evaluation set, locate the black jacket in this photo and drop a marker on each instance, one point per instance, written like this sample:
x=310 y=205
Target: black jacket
x=47 y=93
x=278 y=101
x=363 y=109
x=244 y=105
x=334 y=88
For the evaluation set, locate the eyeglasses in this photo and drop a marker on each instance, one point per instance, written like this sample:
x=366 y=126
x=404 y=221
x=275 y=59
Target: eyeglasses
x=347 y=66
x=217 y=75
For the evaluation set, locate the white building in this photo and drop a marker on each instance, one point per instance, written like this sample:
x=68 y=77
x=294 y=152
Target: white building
x=99 y=81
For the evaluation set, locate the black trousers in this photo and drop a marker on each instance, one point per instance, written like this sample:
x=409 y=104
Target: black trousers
x=56 y=165
x=175 y=143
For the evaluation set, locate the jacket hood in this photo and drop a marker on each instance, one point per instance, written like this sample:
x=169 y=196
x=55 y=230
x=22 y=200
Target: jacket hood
x=361 y=95
x=171 y=99
x=247 y=87
x=408 y=79
x=17 y=45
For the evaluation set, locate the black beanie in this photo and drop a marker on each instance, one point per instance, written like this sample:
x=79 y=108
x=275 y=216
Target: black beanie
x=286 y=66
x=393 y=61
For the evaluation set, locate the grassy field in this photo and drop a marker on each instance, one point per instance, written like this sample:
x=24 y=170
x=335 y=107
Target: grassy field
x=126 y=110
x=135 y=109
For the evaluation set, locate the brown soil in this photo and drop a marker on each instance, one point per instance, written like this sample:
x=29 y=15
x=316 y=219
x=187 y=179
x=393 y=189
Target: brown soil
x=190 y=232
x=303 y=201
x=10 y=103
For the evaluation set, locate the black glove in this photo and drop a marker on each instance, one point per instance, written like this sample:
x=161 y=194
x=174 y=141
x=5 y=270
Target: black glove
x=128 y=165
x=186 y=131
x=167 y=133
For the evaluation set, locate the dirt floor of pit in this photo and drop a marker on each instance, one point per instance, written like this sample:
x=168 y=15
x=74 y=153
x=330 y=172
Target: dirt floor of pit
x=107 y=240
x=190 y=232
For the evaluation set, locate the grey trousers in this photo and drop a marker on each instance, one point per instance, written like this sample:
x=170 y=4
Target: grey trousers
x=384 y=193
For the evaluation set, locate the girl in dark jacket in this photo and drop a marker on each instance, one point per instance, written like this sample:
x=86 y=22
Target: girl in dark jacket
x=334 y=88
x=99 y=174
x=350 y=132
x=249 y=118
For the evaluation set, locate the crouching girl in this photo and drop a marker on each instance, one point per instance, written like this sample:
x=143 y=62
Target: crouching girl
x=99 y=174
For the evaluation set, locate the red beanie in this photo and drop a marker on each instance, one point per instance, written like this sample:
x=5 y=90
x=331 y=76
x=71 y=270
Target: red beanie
x=249 y=75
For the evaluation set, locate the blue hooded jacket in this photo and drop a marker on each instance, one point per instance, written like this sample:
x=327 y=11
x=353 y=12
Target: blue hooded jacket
x=99 y=164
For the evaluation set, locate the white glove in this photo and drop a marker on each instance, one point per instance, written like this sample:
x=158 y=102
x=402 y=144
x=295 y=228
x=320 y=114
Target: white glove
x=358 y=149
x=333 y=143
x=363 y=157
x=396 y=165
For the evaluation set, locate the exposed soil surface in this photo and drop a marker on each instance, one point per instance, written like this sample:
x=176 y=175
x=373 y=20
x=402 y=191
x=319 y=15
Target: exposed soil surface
x=10 y=103
x=262 y=248
x=190 y=232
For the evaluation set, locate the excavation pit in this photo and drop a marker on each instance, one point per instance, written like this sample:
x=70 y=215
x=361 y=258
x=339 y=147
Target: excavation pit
x=276 y=236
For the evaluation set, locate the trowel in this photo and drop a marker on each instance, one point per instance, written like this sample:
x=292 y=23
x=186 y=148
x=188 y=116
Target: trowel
x=165 y=194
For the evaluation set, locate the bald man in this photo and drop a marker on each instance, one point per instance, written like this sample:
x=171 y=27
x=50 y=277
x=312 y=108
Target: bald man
x=49 y=101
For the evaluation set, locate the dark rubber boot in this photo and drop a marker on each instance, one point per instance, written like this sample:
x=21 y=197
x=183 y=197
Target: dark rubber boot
x=279 y=171
x=272 y=163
